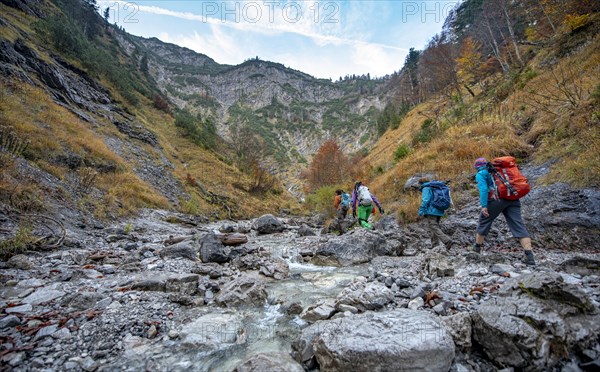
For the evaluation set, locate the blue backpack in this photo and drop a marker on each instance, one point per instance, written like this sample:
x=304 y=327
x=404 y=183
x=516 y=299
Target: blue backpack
x=345 y=201
x=441 y=195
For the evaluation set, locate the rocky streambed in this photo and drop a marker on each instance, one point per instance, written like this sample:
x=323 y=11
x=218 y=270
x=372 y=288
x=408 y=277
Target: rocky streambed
x=166 y=291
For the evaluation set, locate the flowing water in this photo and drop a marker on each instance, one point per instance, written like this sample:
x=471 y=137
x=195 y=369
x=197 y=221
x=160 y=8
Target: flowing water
x=218 y=339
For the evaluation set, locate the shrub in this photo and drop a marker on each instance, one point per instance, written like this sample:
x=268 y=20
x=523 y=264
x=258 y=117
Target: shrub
x=321 y=201
x=401 y=152
x=201 y=131
x=19 y=243
x=426 y=133
x=191 y=206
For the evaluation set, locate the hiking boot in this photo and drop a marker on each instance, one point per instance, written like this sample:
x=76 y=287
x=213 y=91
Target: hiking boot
x=528 y=260
x=477 y=248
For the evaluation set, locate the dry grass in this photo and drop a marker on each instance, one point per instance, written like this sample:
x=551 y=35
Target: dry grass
x=566 y=128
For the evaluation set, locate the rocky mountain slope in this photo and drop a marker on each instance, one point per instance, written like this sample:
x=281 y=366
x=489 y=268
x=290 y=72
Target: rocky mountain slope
x=291 y=110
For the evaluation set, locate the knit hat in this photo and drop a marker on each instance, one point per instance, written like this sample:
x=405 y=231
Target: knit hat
x=480 y=162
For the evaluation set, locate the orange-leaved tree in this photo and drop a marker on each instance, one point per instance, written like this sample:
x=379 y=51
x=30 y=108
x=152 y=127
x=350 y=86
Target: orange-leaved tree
x=329 y=166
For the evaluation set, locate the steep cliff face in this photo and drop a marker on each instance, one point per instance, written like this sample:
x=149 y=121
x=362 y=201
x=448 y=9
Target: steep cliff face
x=79 y=132
x=294 y=112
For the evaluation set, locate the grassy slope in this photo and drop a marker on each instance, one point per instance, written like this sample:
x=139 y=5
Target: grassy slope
x=53 y=130
x=549 y=113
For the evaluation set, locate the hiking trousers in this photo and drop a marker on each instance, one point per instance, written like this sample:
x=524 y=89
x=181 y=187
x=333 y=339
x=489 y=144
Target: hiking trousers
x=341 y=216
x=432 y=224
x=363 y=216
x=511 y=209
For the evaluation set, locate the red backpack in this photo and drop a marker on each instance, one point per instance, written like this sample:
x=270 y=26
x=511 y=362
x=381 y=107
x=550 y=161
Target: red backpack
x=510 y=183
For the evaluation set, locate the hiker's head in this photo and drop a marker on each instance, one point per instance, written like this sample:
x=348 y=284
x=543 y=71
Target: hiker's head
x=339 y=192
x=357 y=185
x=480 y=162
x=423 y=180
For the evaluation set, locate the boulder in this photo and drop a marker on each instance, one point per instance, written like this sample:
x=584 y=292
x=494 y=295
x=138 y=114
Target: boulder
x=356 y=247
x=268 y=224
x=365 y=296
x=275 y=268
x=535 y=322
x=167 y=282
x=19 y=261
x=212 y=331
x=459 y=327
x=186 y=249
x=304 y=230
x=213 y=250
x=413 y=182
x=398 y=340
x=273 y=362
x=317 y=312
x=581 y=266
x=244 y=290
x=387 y=223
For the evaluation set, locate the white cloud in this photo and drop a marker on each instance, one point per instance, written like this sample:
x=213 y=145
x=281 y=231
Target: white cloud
x=273 y=20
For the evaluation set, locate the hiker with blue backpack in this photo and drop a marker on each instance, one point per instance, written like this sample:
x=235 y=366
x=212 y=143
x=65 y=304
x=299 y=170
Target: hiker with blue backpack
x=341 y=203
x=435 y=199
x=362 y=204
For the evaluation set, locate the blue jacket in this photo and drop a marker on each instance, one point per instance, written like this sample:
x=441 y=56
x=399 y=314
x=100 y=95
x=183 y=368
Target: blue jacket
x=485 y=184
x=426 y=209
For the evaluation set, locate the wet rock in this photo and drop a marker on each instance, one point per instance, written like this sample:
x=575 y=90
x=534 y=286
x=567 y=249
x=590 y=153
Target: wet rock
x=356 y=247
x=294 y=308
x=405 y=340
x=365 y=296
x=268 y=224
x=273 y=362
x=275 y=268
x=213 y=250
x=244 y=290
x=212 y=332
x=19 y=261
x=318 y=312
x=581 y=266
x=304 y=230
x=186 y=249
x=535 y=322
x=459 y=327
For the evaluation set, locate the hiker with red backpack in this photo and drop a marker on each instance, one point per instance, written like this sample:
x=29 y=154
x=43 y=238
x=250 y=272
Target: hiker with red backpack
x=435 y=199
x=501 y=185
x=362 y=204
x=341 y=203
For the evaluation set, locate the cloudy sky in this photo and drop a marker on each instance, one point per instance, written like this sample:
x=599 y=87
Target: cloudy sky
x=326 y=39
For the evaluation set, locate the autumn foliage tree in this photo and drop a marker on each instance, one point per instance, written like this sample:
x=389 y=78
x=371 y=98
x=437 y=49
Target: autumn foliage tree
x=469 y=64
x=329 y=166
